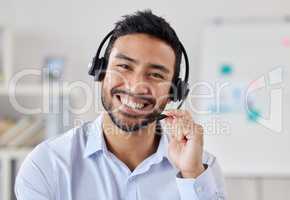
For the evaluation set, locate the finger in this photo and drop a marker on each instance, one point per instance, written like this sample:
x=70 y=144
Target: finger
x=178 y=127
x=182 y=128
x=198 y=133
x=169 y=119
x=178 y=114
x=173 y=128
x=171 y=136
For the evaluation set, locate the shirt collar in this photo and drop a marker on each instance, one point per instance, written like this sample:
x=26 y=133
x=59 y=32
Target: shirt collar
x=95 y=140
x=162 y=150
x=94 y=135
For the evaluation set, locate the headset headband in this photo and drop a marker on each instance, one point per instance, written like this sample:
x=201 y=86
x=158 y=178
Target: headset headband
x=182 y=49
x=98 y=65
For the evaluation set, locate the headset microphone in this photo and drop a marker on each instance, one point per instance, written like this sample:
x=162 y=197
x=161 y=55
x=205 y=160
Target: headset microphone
x=178 y=92
x=161 y=116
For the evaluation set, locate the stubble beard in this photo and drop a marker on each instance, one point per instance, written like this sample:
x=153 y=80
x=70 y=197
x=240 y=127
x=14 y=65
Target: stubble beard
x=146 y=120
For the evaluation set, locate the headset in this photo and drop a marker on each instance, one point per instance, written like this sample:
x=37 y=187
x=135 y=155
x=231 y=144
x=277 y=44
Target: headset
x=98 y=66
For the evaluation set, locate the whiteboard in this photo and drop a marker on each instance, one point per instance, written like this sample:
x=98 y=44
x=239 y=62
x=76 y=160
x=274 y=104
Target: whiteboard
x=253 y=110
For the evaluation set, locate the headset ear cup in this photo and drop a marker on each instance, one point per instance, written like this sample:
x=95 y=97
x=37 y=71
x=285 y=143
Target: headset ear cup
x=92 y=67
x=100 y=69
x=174 y=90
x=185 y=90
x=179 y=91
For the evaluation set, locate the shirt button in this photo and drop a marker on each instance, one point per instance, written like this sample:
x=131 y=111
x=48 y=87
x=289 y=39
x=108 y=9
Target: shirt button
x=199 y=189
x=130 y=179
x=219 y=196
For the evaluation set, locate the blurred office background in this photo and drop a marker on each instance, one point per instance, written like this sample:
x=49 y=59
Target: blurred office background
x=46 y=46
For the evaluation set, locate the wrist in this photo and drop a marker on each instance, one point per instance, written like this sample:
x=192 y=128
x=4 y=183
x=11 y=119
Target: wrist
x=195 y=173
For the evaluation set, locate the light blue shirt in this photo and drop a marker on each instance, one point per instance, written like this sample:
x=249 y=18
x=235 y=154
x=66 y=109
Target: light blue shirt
x=78 y=166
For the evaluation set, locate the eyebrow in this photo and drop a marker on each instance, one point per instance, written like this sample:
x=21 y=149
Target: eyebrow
x=124 y=57
x=151 y=65
x=160 y=67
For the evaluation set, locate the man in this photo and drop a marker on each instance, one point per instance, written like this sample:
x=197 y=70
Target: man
x=124 y=154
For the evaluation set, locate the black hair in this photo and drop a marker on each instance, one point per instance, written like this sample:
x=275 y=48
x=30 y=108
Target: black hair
x=151 y=24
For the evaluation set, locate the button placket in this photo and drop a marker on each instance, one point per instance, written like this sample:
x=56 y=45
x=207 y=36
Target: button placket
x=131 y=189
x=199 y=189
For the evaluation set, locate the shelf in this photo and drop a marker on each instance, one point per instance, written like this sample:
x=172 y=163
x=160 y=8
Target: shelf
x=6 y=53
x=46 y=100
x=32 y=90
x=10 y=159
x=13 y=152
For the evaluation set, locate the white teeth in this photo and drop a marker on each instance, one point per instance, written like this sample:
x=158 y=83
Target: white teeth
x=132 y=104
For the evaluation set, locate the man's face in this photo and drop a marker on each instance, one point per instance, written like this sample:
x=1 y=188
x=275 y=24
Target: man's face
x=137 y=82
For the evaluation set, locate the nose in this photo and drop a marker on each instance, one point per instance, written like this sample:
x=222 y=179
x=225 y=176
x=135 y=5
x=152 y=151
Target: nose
x=138 y=85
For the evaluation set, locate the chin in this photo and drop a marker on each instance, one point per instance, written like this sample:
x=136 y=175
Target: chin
x=128 y=124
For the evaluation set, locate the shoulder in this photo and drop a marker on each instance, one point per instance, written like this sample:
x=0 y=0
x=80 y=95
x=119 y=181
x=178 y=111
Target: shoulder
x=59 y=148
x=47 y=162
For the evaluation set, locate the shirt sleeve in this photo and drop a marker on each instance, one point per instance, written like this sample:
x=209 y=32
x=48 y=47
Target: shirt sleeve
x=207 y=186
x=32 y=181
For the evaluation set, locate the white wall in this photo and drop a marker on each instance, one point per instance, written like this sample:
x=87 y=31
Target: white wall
x=74 y=28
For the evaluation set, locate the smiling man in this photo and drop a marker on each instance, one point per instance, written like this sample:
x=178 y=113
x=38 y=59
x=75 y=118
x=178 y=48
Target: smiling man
x=126 y=153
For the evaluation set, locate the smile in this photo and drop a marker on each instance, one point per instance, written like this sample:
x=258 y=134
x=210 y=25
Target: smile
x=134 y=105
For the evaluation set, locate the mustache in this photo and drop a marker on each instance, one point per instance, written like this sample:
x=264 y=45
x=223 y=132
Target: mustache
x=148 y=98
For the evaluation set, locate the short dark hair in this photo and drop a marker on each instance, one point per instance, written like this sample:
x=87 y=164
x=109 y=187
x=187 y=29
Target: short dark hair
x=151 y=24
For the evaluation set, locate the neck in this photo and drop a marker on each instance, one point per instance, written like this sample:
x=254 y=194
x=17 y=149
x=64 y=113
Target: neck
x=130 y=147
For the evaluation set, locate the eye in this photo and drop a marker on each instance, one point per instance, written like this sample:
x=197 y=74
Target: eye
x=156 y=75
x=124 y=66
